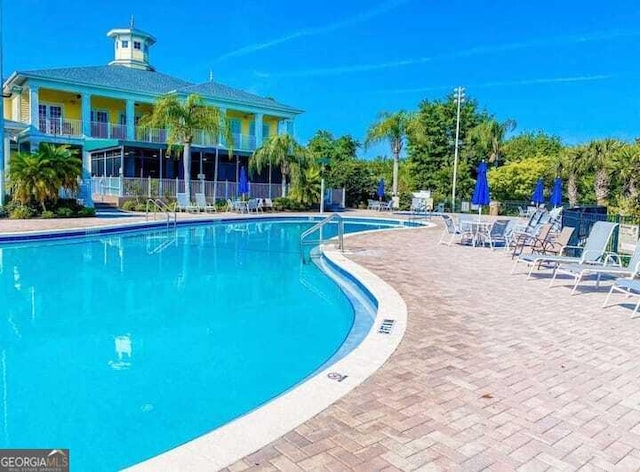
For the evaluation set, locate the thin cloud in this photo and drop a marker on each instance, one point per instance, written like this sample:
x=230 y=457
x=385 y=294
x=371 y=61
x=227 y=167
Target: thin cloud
x=359 y=18
x=506 y=83
x=475 y=51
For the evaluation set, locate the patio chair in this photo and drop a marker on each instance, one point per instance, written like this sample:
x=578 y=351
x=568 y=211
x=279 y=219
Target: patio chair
x=629 y=287
x=184 y=204
x=201 y=203
x=254 y=205
x=440 y=208
x=386 y=206
x=611 y=267
x=593 y=251
x=498 y=233
x=451 y=231
x=536 y=242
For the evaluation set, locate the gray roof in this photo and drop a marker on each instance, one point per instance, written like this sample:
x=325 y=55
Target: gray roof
x=117 y=77
x=224 y=92
x=144 y=81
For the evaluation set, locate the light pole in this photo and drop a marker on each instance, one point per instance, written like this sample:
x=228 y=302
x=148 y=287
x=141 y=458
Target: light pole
x=323 y=161
x=459 y=91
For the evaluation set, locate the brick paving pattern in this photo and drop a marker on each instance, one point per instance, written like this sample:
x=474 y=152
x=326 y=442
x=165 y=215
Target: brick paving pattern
x=494 y=373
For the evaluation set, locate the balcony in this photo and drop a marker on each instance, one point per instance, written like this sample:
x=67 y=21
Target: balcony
x=108 y=130
x=60 y=127
x=151 y=135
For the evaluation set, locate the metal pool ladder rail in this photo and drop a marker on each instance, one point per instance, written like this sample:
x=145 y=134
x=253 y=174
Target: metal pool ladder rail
x=339 y=241
x=163 y=207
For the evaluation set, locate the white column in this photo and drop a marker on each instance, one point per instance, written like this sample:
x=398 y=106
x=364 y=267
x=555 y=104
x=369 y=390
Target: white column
x=85 y=191
x=258 y=128
x=34 y=103
x=131 y=120
x=86 y=114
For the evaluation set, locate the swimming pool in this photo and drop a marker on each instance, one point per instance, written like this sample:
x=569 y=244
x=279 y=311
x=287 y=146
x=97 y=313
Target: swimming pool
x=122 y=346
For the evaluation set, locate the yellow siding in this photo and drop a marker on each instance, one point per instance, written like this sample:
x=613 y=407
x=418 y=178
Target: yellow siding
x=71 y=104
x=110 y=105
x=245 y=118
x=7 y=109
x=273 y=124
x=24 y=107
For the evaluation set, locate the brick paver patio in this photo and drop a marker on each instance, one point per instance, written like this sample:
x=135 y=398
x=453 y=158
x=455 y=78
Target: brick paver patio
x=494 y=373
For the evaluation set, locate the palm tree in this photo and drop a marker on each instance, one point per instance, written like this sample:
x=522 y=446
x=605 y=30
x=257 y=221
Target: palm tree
x=573 y=163
x=627 y=166
x=394 y=128
x=280 y=150
x=490 y=135
x=599 y=160
x=305 y=184
x=183 y=119
x=38 y=177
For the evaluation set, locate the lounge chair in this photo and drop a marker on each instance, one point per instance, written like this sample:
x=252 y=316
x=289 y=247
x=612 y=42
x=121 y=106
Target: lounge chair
x=451 y=231
x=498 y=233
x=629 y=287
x=594 y=250
x=521 y=240
x=373 y=205
x=386 y=206
x=611 y=267
x=267 y=204
x=201 y=203
x=183 y=203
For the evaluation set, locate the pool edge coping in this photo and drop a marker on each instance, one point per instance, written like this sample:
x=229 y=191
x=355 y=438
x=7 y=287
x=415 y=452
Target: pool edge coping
x=248 y=433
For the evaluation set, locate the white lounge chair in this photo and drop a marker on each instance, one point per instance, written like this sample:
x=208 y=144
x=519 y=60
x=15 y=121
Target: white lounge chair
x=629 y=287
x=594 y=250
x=610 y=267
x=201 y=203
x=183 y=203
x=254 y=205
x=451 y=231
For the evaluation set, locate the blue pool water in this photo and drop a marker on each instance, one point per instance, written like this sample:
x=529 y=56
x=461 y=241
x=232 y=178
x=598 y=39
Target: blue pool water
x=120 y=347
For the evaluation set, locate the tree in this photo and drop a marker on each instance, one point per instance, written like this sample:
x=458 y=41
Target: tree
x=39 y=177
x=626 y=166
x=573 y=164
x=490 y=135
x=515 y=181
x=527 y=145
x=183 y=120
x=431 y=146
x=394 y=128
x=280 y=150
x=323 y=145
x=599 y=160
x=305 y=184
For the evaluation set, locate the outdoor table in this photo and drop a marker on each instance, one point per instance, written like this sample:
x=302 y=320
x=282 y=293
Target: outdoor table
x=241 y=206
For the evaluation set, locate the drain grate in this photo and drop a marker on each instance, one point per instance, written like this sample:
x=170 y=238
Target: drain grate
x=386 y=326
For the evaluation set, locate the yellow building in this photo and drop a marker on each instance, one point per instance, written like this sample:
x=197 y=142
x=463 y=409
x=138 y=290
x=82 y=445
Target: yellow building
x=97 y=109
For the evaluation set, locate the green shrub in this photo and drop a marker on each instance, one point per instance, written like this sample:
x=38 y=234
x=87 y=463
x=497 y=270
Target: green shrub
x=86 y=212
x=129 y=205
x=47 y=214
x=405 y=200
x=19 y=212
x=143 y=207
x=64 y=212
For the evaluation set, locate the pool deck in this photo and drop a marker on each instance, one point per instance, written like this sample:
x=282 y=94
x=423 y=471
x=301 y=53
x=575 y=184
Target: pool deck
x=494 y=372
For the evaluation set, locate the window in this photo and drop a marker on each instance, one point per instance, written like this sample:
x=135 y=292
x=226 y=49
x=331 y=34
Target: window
x=236 y=125
x=125 y=44
x=265 y=130
x=137 y=45
x=50 y=118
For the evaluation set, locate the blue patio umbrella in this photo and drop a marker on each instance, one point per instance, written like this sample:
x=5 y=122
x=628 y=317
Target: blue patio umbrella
x=538 y=193
x=243 y=182
x=556 y=193
x=381 y=189
x=481 y=191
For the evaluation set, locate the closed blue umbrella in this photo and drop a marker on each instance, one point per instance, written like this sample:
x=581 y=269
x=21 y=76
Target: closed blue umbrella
x=556 y=193
x=481 y=191
x=381 y=189
x=538 y=193
x=243 y=183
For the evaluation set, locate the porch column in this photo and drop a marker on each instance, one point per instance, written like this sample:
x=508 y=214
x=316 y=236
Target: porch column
x=86 y=114
x=258 y=128
x=34 y=103
x=130 y=113
x=86 y=191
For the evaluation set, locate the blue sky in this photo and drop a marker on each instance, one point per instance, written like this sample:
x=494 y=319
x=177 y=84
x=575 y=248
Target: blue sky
x=568 y=67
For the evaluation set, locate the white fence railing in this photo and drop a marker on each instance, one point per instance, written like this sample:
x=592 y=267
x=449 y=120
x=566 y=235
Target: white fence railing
x=60 y=127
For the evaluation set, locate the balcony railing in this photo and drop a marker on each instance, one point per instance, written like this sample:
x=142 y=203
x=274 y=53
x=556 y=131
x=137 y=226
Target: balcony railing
x=108 y=130
x=151 y=135
x=60 y=127
x=241 y=142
